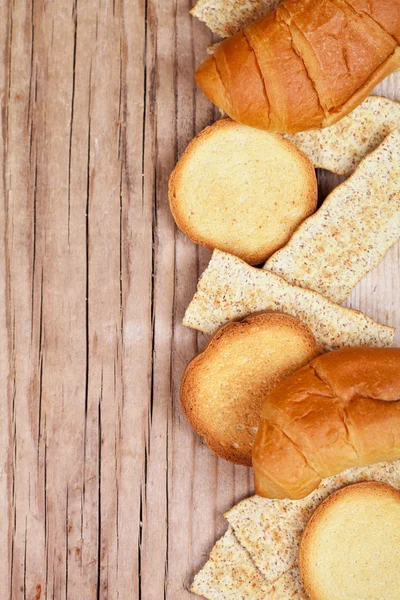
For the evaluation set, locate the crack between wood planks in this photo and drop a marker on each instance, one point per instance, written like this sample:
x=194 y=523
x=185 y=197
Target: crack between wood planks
x=54 y=578
x=66 y=546
x=46 y=530
x=87 y=328
x=25 y=536
x=143 y=485
x=152 y=304
x=116 y=466
x=11 y=386
x=34 y=247
x=99 y=534
x=9 y=54
x=194 y=84
x=119 y=365
x=170 y=410
x=75 y=19
x=121 y=311
x=14 y=462
x=120 y=100
x=40 y=365
x=146 y=8
x=31 y=76
x=140 y=539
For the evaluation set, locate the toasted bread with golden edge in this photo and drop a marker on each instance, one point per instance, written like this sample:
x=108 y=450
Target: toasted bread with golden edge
x=224 y=387
x=242 y=190
x=350 y=549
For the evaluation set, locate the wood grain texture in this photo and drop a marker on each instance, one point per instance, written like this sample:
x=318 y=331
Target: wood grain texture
x=106 y=492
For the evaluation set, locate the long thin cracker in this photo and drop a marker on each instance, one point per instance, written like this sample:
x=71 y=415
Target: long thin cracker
x=341 y=147
x=226 y=17
x=351 y=232
x=230 y=289
x=270 y=530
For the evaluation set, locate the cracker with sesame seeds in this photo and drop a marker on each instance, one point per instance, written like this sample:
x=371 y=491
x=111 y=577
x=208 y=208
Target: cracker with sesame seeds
x=257 y=558
x=341 y=147
x=270 y=530
x=230 y=573
x=351 y=232
x=230 y=289
x=226 y=17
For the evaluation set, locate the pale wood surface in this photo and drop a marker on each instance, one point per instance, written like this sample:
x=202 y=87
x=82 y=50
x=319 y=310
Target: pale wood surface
x=105 y=491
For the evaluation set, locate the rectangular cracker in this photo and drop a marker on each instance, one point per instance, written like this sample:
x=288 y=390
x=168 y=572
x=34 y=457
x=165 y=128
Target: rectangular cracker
x=341 y=147
x=270 y=530
x=230 y=289
x=351 y=232
x=226 y=17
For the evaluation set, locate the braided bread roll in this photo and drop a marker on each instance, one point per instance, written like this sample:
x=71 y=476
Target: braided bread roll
x=340 y=411
x=306 y=65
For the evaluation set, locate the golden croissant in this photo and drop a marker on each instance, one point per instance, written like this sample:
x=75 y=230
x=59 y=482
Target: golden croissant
x=306 y=65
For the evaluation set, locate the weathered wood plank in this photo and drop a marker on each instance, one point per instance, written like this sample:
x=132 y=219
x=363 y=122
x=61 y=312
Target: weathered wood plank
x=6 y=524
x=76 y=280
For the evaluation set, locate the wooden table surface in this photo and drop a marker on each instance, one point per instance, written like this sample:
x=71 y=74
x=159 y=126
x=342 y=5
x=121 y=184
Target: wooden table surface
x=105 y=491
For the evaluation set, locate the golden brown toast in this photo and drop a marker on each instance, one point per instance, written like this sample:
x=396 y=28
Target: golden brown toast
x=224 y=387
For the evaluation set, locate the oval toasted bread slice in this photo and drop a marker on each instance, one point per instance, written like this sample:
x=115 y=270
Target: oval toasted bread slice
x=224 y=387
x=350 y=549
x=242 y=190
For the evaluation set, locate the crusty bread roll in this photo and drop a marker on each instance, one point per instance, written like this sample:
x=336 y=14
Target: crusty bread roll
x=241 y=190
x=350 y=549
x=224 y=387
x=306 y=65
x=340 y=411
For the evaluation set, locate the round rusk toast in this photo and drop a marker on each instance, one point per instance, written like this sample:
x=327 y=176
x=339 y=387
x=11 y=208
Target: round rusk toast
x=242 y=190
x=350 y=549
x=223 y=388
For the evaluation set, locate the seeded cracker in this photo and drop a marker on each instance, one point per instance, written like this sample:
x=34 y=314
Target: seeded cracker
x=341 y=147
x=226 y=17
x=257 y=557
x=230 y=574
x=271 y=530
x=351 y=232
x=230 y=289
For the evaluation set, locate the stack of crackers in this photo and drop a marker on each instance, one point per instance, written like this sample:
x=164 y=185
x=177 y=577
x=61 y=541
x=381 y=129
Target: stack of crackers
x=257 y=558
x=330 y=251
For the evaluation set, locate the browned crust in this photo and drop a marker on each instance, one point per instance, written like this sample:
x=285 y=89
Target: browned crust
x=272 y=42
x=351 y=396
x=386 y=14
x=254 y=258
x=238 y=69
x=385 y=69
x=374 y=27
x=230 y=330
x=356 y=489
